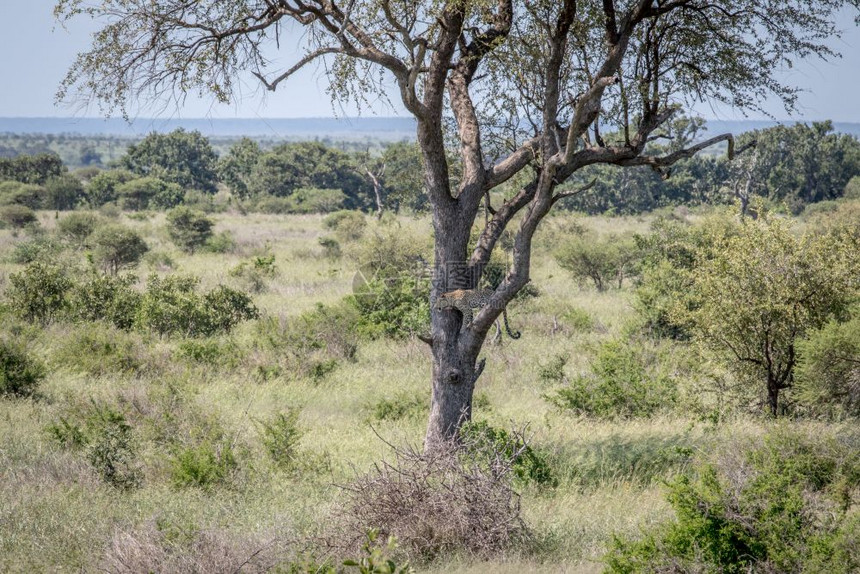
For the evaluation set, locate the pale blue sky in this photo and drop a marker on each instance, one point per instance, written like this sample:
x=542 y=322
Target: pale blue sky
x=35 y=53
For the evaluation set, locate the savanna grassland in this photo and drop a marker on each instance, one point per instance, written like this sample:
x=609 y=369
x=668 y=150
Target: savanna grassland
x=191 y=481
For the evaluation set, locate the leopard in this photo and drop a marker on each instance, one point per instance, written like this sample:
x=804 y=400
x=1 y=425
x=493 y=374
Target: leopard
x=466 y=301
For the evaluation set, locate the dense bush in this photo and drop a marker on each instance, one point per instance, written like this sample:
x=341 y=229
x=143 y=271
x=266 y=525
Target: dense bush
x=226 y=308
x=290 y=168
x=627 y=379
x=347 y=225
x=27 y=168
x=106 y=438
x=205 y=465
x=77 y=227
x=315 y=200
x=313 y=343
x=255 y=272
x=97 y=350
x=116 y=247
x=183 y=158
x=852 y=188
x=18 y=216
x=112 y=452
x=102 y=188
x=105 y=297
x=828 y=374
x=402 y=405
x=188 y=229
x=172 y=306
x=63 y=193
x=39 y=292
x=280 y=436
x=484 y=442
x=37 y=248
x=760 y=291
x=391 y=289
x=28 y=195
x=781 y=506
x=670 y=254
x=148 y=192
x=20 y=374
x=606 y=261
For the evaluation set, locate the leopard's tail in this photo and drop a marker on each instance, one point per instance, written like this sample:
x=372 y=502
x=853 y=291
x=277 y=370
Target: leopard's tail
x=511 y=334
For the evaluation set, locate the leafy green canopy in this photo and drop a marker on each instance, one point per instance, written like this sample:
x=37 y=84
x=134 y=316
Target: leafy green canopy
x=180 y=157
x=757 y=291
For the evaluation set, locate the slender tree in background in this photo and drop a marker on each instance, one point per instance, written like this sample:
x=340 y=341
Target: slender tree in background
x=527 y=88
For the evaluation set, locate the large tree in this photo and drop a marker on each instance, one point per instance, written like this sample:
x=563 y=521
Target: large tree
x=184 y=158
x=522 y=88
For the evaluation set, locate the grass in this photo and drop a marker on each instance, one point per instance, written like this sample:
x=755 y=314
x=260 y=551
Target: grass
x=55 y=514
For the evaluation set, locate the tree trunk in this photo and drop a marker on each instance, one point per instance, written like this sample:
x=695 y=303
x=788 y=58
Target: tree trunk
x=453 y=383
x=377 y=191
x=773 y=398
x=455 y=368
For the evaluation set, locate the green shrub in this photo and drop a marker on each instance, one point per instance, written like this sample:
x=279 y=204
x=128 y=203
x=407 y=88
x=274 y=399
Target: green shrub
x=346 y=225
x=661 y=290
x=39 y=293
x=553 y=370
x=780 y=506
x=171 y=305
x=272 y=204
x=63 y=192
x=627 y=379
x=117 y=247
x=202 y=201
x=77 y=227
x=220 y=243
x=102 y=188
x=20 y=374
x=763 y=289
x=605 y=261
x=209 y=352
x=111 y=451
x=159 y=260
x=108 y=298
x=852 y=188
x=280 y=436
x=578 y=319
x=40 y=248
x=331 y=247
x=314 y=200
x=529 y=466
x=255 y=272
x=313 y=343
x=828 y=374
x=148 y=192
x=107 y=440
x=18 y=216
x=671 y=252
x=391 y=289
x=189 y=230
x=206 y=465
x=401 y=406
x=225 y=308
x=97 y=350
x=375 y=558
x=25 y=194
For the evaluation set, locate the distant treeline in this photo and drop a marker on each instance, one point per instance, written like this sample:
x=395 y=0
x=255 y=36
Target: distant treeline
x=791 y=167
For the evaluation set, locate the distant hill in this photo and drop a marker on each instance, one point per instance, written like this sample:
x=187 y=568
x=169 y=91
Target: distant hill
x=380 y=128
